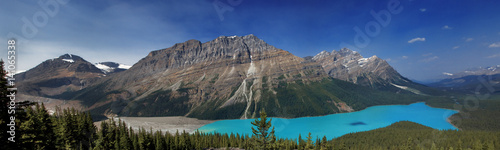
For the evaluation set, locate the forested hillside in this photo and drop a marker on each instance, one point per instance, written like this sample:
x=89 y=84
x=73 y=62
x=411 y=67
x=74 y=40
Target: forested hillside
x=70 y=129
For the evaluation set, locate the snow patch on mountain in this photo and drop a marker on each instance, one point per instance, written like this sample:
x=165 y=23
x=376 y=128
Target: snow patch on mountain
x=69 y=60
x=123 y=66
x=104 y=68
x=110 y=67
x=408 y=89
x=362 y=61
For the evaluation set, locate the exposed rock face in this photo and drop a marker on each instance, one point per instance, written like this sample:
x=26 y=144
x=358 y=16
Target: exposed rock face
x=55 y=76
x=350 y=66
x=217 y=74
x=228 y=77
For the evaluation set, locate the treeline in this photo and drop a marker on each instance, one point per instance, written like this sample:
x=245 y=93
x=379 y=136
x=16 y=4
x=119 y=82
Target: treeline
x=483 y=115
x=407 y=135
x=71 y=129
x=36 y=129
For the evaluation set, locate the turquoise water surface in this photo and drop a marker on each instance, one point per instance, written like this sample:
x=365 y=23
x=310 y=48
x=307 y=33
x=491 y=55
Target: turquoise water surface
x=336 y=125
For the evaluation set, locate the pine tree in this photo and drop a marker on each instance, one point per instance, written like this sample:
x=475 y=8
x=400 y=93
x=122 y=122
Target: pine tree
x=134 y=138
x=324 y=143
x=459 y=146
x=7 y=111
x=301 y=143
x=477 y=144
x=125 y=141
x=309 y=142
x=489 y=145
x=433 y=146
x=45 y=132
x=264 y=138
x=159 y=141
x=28 y=129
x=4 y=114
x=408 y=145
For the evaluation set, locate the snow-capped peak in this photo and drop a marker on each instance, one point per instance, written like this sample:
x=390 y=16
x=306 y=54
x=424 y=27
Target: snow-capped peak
x=233 y=36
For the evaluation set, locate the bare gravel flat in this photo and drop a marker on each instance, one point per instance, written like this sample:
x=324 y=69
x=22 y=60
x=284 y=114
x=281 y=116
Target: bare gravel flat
x=170 y=124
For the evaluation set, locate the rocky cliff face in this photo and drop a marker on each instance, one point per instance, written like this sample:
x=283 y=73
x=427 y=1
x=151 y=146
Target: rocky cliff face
x=193 y=78
x=350 y=66
x=55 y=76
x=228 y=77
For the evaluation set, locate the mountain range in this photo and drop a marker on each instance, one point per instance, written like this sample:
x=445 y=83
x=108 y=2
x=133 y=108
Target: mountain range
x=228 y=77
x=471 y=80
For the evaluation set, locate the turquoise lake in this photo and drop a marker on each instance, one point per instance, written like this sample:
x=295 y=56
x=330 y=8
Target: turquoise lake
x=336 y=125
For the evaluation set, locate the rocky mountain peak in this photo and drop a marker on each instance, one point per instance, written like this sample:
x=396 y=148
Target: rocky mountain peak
x=190 y=44
x=321 y=55
x=349 y=65
x=251 y=41
x=347 y=52
x=209 y=77
x=70 y=58
x=228 y=77
x=66 y=73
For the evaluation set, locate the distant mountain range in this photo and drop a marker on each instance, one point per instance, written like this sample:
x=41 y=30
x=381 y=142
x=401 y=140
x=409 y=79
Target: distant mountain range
x=469 y=80
x=372 y=72
x=228 y=77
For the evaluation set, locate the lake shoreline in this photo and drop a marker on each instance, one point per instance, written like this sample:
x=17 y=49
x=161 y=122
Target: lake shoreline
x=169 y=124
x=336 y=125
x=190 y=125
x=449 y=121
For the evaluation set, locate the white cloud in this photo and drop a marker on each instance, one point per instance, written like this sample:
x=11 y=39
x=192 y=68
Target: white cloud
x=468 y=39
x=429 y=59
x=423 y=9
x=416 y=39
x=427 y=54
x=456 y=47
x=448 y=74
x=494 y=45
x=494 y=56
x=404 y=57
x=446 y=27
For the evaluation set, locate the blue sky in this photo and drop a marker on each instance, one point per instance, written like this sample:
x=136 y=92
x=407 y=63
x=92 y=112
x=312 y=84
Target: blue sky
x=423 y=39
